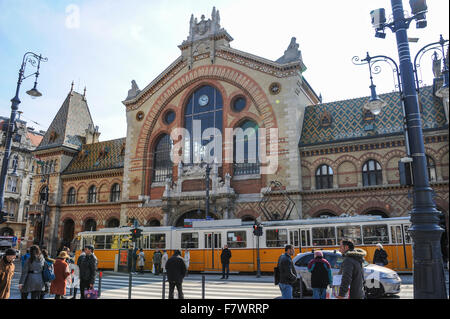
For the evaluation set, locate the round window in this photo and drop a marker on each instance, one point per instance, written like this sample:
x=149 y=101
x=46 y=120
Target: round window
x=140 y=116
x=239 y=104
x=169 y=117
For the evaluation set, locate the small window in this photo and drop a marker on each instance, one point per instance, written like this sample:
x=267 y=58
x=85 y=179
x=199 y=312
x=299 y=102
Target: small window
x=350 y=232
x=99 y=242
x=276 y=238
x=431 y=166
x=92 y=194
x=115 y=193
x=239 y=104
x=237 y=239
x=374 y=234
x=169 y=117
x=189 y=240
x=71 y=196
x=304 y=261
x=372 y=173
x=158 y=241
x=324 y=236
x=324 y=177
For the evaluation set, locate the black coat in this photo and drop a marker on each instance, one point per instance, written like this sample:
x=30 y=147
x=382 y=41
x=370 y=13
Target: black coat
x=176 y=269
x=380 y=257
x=225 y=256
x=288 y=275
x=88 y=265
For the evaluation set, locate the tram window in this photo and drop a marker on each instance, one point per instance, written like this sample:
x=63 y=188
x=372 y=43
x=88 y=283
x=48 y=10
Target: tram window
x=407 y=236
x=374 y=234
x=237 y=239
x=124 y=241
x=306 y=238
x=115 y=242
x=88 y=240
x=99 y=242
x=145 y=242
x=350 y=232
x=396 y=234
x=108 y=241
x=324 y=236
x=276 y=238
x=189 y=240
x=157 y=241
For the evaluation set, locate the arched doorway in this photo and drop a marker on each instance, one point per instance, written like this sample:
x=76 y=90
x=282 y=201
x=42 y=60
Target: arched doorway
x=90 y=225
x=377 y=212
x=193 y=214
x=6 y=231
x=154 y=223
x=112 y=223
x=68 y=232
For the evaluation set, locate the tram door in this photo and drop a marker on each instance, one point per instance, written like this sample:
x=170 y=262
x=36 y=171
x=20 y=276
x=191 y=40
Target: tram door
x=294 y=240
x=305 y=237
x=399 y=259
x=213 y=249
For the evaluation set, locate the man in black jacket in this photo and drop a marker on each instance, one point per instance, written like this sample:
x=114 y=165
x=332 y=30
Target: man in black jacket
x=87 y=264
x=176 y=270
x=288 y=274
x=225 y=259
x=352 y=271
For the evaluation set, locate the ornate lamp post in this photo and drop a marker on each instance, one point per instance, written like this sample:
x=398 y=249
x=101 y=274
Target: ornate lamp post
x=45 y=179
x=33 y=59
x=429 y=278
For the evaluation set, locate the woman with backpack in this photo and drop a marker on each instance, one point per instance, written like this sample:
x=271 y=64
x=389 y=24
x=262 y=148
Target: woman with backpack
x=62 y=272
x=48 y=266
x=31 y=280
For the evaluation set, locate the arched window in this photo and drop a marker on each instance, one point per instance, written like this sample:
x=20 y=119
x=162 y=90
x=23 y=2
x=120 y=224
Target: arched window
x=90 y=225
x=71 y=196
x=204 y=109
x=162 y=164
x=154 y=223
x=372 y=173
x=115 y=193
x=324 y=177
x=43 y=195
x=325 y=214
x=245 y=149
x=112 y=223
x=431 y=166
x=92 y=194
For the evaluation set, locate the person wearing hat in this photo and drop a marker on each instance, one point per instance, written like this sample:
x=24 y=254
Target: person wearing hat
x=321 y=276
x=7 y=268
x=87 y=265
x=380 y=256
x=61 y=269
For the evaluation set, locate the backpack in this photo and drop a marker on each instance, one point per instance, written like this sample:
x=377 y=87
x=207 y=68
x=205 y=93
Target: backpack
x=48 y=274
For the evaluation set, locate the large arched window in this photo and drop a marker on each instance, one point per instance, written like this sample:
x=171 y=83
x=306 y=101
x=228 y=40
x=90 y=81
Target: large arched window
x=90 y=225
x=324 y=177
x=203 y=112
x=115 y=193
x=71 y=196
x=372 y=173
x=162 y=164
x=431 y=166
x=245 y=149
x=92 y=194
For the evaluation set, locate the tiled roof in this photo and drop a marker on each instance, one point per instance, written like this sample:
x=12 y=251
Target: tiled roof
x=34 y=138
x=347 y=120
x=98 y=156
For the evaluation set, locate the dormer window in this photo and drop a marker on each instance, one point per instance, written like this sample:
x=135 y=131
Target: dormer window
x=325 y=119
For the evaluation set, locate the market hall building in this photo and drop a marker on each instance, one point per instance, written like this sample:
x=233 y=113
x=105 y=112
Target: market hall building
x=107 y=184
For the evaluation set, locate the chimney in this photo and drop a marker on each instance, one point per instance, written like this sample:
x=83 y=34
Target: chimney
x=92 y=134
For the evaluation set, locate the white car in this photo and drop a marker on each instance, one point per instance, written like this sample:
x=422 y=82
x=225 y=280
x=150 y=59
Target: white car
x=379 y=280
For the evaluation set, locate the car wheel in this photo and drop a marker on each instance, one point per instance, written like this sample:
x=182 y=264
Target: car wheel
x=372 y=293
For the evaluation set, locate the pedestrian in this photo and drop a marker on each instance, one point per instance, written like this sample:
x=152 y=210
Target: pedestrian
x=62 y=272
x=187 y=259
x=352 y=271
x=157 y=256
x=23 y=259
x=225 y=257
x=49 y=262
x=380 y=256
x=7 y=268
x=164 y=259
x=141 y=261
x=321 y=276
x=87 y=264
x=31 y=280
x=287 y=272
x=135 y=258
x=176 y=270
x=74 y=279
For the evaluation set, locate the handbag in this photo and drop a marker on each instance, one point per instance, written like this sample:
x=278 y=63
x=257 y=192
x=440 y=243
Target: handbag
x=91 y=294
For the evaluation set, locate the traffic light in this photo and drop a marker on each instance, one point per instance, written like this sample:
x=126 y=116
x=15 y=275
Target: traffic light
x=3 y=216
x=257 y=230
x=136 y=233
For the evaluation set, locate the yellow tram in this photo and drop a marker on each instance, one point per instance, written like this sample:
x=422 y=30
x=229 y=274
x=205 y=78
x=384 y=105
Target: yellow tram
x=205 y=240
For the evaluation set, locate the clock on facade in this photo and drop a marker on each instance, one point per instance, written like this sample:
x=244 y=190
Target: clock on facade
x=203 y=100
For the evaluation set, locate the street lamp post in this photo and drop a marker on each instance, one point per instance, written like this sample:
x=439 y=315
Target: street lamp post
x=45 y=179
x=33 y=59
x=429 y=278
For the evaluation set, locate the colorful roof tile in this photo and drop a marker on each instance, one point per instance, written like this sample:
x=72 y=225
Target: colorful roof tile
x=347 y=118
x=98 y=156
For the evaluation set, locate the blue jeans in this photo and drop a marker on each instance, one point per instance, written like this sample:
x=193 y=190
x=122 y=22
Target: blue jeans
x=286 y=291
x=319 y=293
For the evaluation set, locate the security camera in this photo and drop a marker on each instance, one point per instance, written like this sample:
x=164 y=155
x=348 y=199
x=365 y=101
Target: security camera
x=378 y=18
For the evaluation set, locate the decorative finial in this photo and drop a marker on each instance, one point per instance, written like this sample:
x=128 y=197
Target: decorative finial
x=71 y=88
x=84 y=93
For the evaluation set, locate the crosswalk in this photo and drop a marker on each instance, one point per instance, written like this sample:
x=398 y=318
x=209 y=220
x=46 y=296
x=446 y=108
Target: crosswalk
x=116 y=287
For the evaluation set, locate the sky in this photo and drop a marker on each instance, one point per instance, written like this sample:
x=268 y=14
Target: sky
x=104 y=44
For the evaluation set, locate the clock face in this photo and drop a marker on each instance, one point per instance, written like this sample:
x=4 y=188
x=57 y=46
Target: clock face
x=203 y=100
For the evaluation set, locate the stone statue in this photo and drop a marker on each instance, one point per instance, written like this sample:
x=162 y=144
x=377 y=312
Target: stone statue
x=436 y=66
x=134 y=91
